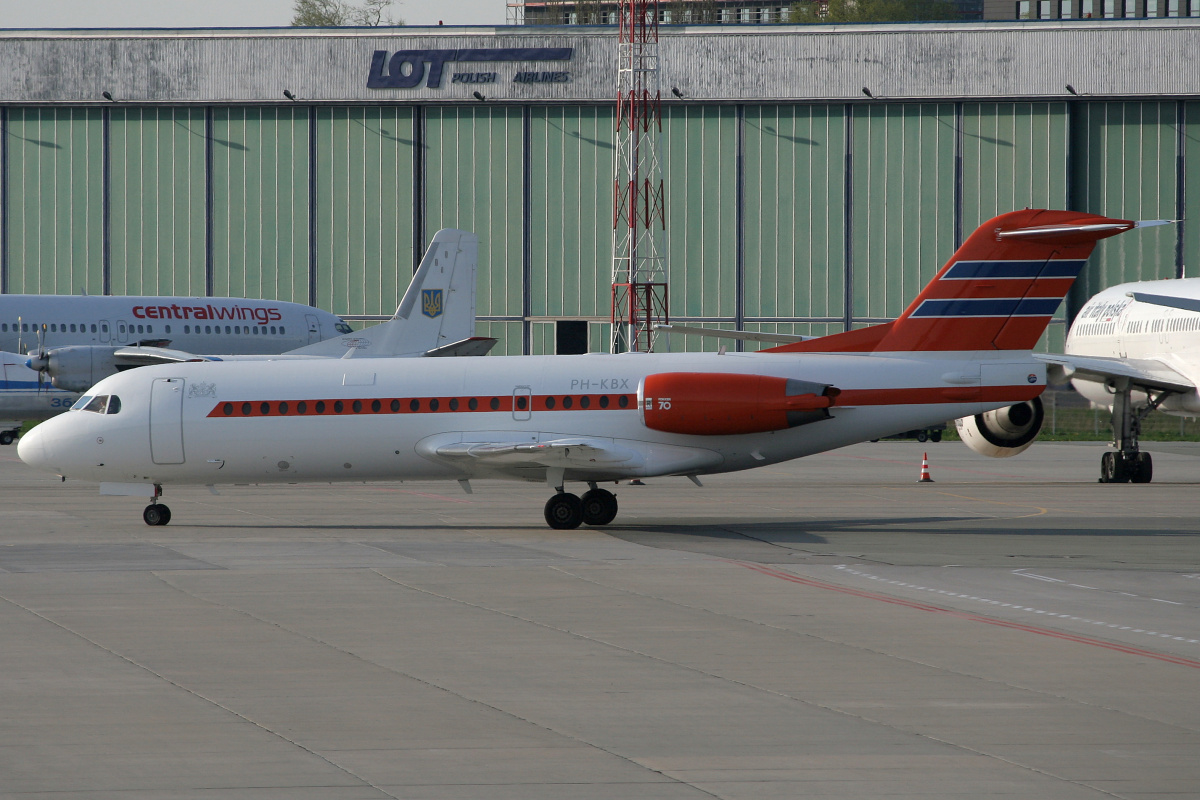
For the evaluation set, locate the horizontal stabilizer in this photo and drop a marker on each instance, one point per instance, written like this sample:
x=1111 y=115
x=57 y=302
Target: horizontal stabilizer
x=743 y=336
x=475 y=346
x=1140 y=373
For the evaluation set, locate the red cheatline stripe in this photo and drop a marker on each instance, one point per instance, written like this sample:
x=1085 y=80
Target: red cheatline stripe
x=1069 y=637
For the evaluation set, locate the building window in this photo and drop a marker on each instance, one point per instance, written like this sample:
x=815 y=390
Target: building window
x=1023 y=10
x=1045 y=9
x=785 y=13
x=1194 y=8
x=1086 y=8
x=1110 y=8
x=1130 y=8
x=1064 y=9
x=1152 y=8
x=1172 y=8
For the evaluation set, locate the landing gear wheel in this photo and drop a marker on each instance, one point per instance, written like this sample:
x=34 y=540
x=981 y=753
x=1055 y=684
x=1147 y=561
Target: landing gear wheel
x=599 y=507
x=7 y=437
x=922 y=437
x=1143 y=468
x=156 y=514
x=936 y=436
x=564 y=511
x=1113 y=468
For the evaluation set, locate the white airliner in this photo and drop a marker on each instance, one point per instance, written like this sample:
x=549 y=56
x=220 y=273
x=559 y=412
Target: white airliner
x=961 y=348
x=1132 y=349
x=436 y=317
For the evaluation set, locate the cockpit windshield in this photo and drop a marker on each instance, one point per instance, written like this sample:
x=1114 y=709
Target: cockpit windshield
x=100 y=404
x=342 y=327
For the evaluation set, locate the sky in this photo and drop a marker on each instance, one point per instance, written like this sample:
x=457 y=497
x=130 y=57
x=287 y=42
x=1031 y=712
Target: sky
x=220 y=13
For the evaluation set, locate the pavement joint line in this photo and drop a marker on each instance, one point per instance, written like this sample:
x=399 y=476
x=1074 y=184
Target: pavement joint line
x=843 y=712
x=175 y=684
x=1181 y=660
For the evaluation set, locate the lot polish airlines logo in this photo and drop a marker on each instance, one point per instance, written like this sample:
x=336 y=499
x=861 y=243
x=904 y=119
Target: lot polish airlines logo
x=407 y=68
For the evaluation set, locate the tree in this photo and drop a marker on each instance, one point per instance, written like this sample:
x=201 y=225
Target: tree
x=335 y=14
x=810 y=11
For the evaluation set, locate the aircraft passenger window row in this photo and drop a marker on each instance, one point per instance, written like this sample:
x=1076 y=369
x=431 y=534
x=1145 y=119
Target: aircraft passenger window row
x=414 y=405
x=256 y=330
x=100 y=404
x=53 y=327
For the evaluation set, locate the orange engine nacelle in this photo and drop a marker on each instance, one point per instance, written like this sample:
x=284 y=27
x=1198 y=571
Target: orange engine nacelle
x=715 y=404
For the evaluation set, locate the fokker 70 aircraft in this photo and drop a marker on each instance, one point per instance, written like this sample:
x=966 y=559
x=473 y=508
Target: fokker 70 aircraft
x=436 y=317
x=961 y=349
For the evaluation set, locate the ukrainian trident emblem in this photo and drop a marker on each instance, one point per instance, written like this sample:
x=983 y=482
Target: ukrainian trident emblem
x=431 y=302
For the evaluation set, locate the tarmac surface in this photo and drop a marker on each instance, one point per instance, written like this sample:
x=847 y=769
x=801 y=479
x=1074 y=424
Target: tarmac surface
x=828 y=628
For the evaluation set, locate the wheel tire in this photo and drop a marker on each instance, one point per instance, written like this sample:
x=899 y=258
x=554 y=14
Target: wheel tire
x=922 y=437
x=936 y=436
x=156 y=514
x=7 y=437
x=564 y=511
x=1143 y=468
x=599 y=507
x=1108 y=469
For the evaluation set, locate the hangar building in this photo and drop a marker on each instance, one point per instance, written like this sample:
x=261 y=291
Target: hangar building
x=817 y=177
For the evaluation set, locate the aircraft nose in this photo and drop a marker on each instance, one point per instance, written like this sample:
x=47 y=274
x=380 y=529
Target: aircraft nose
x=34 y=449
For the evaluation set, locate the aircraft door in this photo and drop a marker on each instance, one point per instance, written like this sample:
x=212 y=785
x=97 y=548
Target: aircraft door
x=314 y=329
x=166 y=421
x=522 y=407
x=104 y=334
x=122 y=331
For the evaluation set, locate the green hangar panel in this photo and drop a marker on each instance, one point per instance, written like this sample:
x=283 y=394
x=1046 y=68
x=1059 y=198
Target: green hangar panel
x=803 y=206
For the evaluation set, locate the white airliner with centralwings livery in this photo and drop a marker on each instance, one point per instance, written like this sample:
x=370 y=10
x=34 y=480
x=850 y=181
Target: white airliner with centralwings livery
x=1133 y=348
x=961 y=349
x=436 y=317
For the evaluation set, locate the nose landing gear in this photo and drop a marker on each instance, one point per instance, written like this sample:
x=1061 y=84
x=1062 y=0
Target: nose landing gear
x=156 y=513
x=565 y=511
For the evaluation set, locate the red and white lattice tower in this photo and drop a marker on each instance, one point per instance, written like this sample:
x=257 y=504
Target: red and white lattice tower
x=639 y=283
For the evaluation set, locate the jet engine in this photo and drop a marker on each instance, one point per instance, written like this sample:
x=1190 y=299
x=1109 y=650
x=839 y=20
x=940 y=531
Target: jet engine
x=1004 y=432
x=713 y=404
x=77 y=368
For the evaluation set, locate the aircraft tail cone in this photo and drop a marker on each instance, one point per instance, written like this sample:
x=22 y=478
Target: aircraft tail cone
x=925 y=469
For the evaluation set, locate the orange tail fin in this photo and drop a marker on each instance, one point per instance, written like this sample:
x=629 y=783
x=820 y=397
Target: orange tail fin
x=998 y=292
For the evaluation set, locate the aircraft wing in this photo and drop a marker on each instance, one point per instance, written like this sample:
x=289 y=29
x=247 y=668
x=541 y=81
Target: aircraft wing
x=745 y=336
x=148 y=356
x=556 y=453
x=1141 y=373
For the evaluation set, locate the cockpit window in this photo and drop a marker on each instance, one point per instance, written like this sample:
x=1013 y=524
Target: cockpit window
x=82 y=402
x=114 y=405
x=98 y=403
x=342 y=327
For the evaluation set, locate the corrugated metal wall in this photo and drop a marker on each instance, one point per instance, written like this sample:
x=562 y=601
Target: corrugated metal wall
x=798 y=218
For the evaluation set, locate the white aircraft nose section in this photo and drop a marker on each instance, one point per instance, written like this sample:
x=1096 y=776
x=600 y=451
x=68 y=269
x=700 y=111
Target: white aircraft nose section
x=33 y=449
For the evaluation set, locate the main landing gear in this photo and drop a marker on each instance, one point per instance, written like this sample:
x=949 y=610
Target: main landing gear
x=1129 y=464
x=8 y=437
x=565 y=511
x=156 y=513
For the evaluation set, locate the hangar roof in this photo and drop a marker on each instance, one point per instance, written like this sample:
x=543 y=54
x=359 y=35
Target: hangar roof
x=528 y=64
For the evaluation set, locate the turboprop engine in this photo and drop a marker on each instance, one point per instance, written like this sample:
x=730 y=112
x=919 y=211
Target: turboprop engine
x=1005 y=431
x=76 y=368
x=714 y=404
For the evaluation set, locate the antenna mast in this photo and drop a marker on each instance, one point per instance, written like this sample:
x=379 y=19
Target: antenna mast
x=639 y=282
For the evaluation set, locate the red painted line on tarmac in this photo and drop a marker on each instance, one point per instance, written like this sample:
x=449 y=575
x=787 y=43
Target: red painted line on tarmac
x=1069 y=637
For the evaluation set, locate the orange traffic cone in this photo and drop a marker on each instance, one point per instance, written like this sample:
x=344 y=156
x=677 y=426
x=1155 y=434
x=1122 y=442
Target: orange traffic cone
x=925 y=469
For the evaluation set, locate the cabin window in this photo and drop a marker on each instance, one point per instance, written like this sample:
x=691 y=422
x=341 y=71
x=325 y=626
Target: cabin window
x=272 y=330
x=208 y=328
x=228 y=329
x=237 y=329
x=102 y=327
x=3 y=327
x=168 y=327
x=282 y=331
